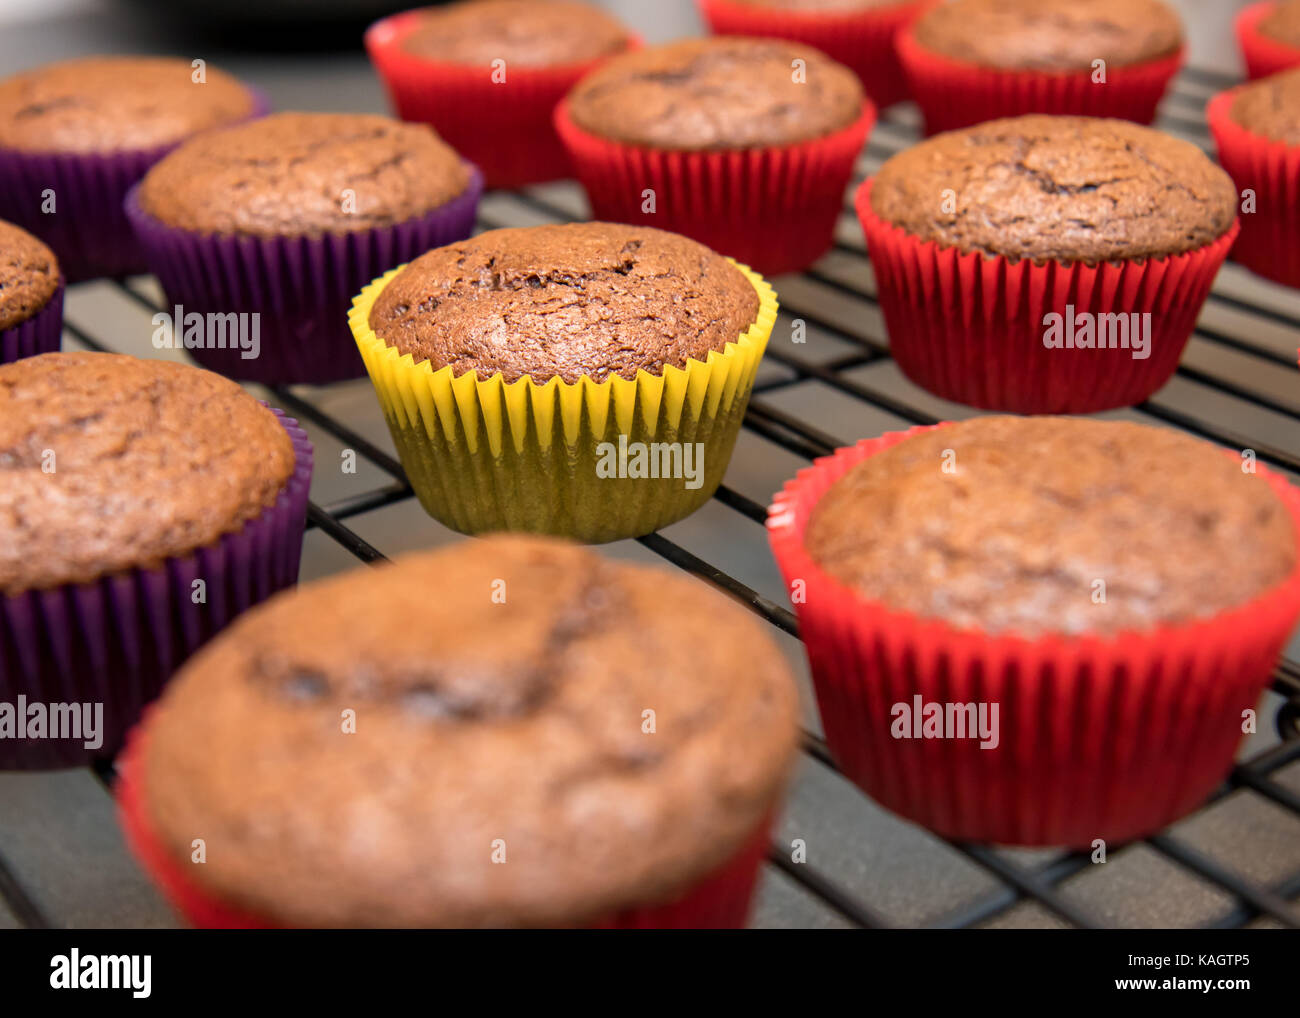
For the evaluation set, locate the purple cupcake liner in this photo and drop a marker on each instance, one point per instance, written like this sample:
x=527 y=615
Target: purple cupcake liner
x=116 y=641
x=88 y=230
x=42 y=333
x=302 y=287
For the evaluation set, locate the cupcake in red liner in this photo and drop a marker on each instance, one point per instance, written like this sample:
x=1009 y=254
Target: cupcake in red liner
x=1269 y=34
x=281 y=221
x=101 y=123
x=1070 y=286
x=487 y=76
x=711 y=138
x=1062 y=716
x=31 y=296
x=1256 y=129
x=976 y=60
x=95 y=617
x=555 y=692
x=859 y=33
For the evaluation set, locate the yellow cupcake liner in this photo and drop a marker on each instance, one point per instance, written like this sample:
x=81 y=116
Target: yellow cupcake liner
x=485 y=455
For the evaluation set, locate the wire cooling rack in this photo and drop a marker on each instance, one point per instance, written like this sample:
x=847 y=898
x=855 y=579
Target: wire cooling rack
x=1237 y=860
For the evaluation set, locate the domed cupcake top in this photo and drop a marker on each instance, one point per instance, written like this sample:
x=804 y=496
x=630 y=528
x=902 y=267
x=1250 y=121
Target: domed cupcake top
x=1270 y=107
x=29 y=276
x=109 y=463
x=514 y=698
x=1070 y=188
x=1282 y=23
x=717 y=93
x=304 y=174
x=111 y=104
x=523 y=33
x=582 y=299
x=1009 y=524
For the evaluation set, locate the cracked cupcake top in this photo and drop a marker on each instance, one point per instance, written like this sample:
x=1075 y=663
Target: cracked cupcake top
x=1069 y=188
x=110 y=463
x=1270 y=107
x=594 y=299
x=29 y=276
x=292 y=174
x=499 y=689
x=525 y=33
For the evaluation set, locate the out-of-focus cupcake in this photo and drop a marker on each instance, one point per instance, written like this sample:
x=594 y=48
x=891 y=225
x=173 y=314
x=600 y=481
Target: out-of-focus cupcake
x=1039 y=630
x=1269 y=34
x=144 y=505
x=488 y=74
x=508 y=732
x=76 y=135
x=285 y=219
x=31 y=296
x=1046 y=264
x=974 y=60
x=744 y=144
x=585 y=380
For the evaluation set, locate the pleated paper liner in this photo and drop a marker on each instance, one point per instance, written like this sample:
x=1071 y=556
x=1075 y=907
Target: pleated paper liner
x=88 y=228
x=1268 y=242
x=863 y=40
x=953 y=94
x=300 y=286
x=1264 y=56
x=971 y=328
x=117 y=640
x=504 y=128
x=721 y=900
x=42 y=333
x=772 y=208
x=486 y=455
x=1109 y=738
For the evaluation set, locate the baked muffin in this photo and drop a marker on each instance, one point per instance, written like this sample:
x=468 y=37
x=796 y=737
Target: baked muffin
x=744 y=144
x=31 y=295
x=585 y=380
x=974 y=60
x=75 y=135
x=1049 y=598
x=308 y=207
x=144 y=504
x=1269 y=33
x=531 y=708
x=487 y=74
x=1110 y=202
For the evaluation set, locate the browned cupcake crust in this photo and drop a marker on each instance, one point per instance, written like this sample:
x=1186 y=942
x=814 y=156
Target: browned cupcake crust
x=1037 y=511
x=295 y=174
x=512 y=723
x=717 y=93
x=1283 y=23
x=823 y=6
x=1051 y=35
x=523 y=33
x=1069 y=188
x=29 y=276
x=580 y=299
x=113 y=104
x=1270 y=107
x=110 y=463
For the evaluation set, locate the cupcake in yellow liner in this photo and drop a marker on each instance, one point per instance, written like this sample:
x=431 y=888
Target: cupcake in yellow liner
x=585 y=380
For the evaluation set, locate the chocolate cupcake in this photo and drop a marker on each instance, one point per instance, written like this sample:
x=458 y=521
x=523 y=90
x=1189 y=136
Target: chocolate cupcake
x=31 y=296
x=285 y=218
x=743 y=144
x=488 y=74
x=1097 y=601
x=974 y=60
x=556 y=694
x=1067 y=259
x=1269 y=34
x=76 y=135
x=585 y=380
x=144 y=504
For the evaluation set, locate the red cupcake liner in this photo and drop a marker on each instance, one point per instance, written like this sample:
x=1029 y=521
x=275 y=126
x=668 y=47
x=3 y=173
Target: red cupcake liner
x=42 y=333
x=861 y=40
x=1108 y=738
x=953 y=94
x=719 y=901
x=773 y=209
x=971 y=328
x=1264 y=56
x=505 y=129
x=1267 y=245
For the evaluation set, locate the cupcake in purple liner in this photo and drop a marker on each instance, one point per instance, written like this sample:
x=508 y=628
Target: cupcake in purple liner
x=143 y=505
x=31 y=296
x=76 y=135
x=284 y=219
